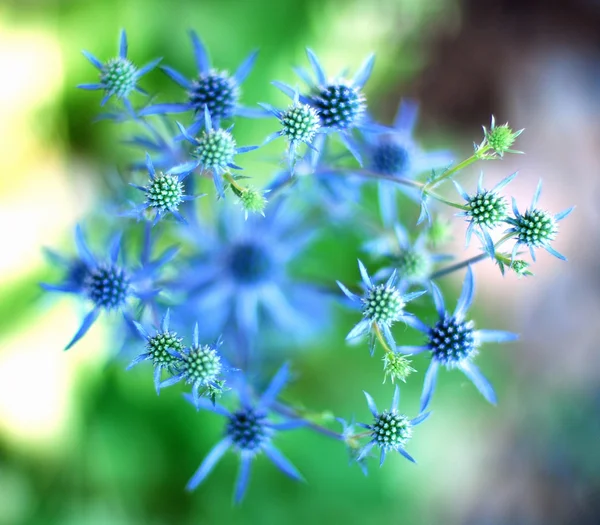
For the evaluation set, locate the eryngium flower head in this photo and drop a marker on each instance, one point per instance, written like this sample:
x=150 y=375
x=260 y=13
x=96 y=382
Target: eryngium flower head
x=215 y=150
x=396 y=366
x=453 y=342
x=535 y=228
x=212 y=90
x=252 y=201
x=163 y=349
x=108 y=284
x=164 y=191
x=118 y=76
x=340 y=105
x=485 y=209
x=501 y=138
x=249 y=432
x=381 y=306
x=390 y=430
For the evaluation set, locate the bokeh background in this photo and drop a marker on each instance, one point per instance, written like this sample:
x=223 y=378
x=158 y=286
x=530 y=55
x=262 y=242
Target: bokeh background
x=83 y=442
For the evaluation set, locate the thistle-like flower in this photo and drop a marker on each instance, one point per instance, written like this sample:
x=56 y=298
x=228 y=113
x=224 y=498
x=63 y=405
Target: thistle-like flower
x=249 y=432
x=202 y=367
x=118 y=76
x=535 y=228
x=108 y=284
x=454 y=342
x=397 y=154
x=500 y=138
x=340 y=102
x=485 y=209
x=300 y=123
x=390 y=430
x=164 y=192
x=214 y=149
x=218 y=91
x=382 y=305
x=163 y=349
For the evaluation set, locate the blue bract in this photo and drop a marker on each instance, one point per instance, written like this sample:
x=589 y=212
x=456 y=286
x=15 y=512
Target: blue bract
x=118 y=76
x=454 y=342
x=218 y=91
x=249 y=431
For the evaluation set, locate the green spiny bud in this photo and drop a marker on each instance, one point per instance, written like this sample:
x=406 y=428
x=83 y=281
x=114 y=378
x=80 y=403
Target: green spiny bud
x=396 y=366
x=487 y=208
x=413 y=265
x=300 y=123
x=252 y=200
x=118 y=77
x=215 y=149
x=440 y=231
x=383 y=304
x=165 y=192
x=521 y=268
x=501 y=138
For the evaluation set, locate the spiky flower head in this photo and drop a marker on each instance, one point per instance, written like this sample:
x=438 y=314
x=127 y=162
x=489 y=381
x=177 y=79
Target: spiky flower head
x=119 y=77
x=217 y=91
x=201 y=365
x=163 y=347
x=413 y=265
x=107 y=286
x=536 y=228
x=164 y=192
x=340 y=105
x=451 y=340
x=252 y=200
x=396 y=366
x=250 y=262
x=383 y=304
x=248 y=430
x=487 y=208
x=300 y=123
x=521 y=268
x=215 y=149
x=501 y=138
x=390 y=157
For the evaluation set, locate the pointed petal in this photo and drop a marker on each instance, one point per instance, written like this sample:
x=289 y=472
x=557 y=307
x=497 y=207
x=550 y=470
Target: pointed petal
x=200 y=54
x=460 y=190
x=438 y=300
x=138 y=360
x=388 y=206
x=552 y=251
x=412 y=350
x=407 y=298
x=282 y=463
x=164 y=323
x=159 y=109
x=360 y=329
x=211 y=459
x=64 y=288
x=244 y=70
x=243 y=476
x=466 y=295
x=148 y=67
x=381 y=457
x=95 y=62
x=351 y=146
x=316 y=66
x=560 y=216
x=371 y=404
x=123 y=44
x=177 y=77
x=207 y=120
x=205 y=404
x=82 y=247
x=364 y=274
x=243 y=111
x=387 y=335
x=495 y=336
x=195 y=339
x=395 y=399
x=406 y=116
x=88 y=321
x=429 y=384
x=365 y=450
x=536 y=195
x=480 y=382
x=406 y=454
x=504 y=182
x=420 y=418
x=364 y=72
x=141 y=330
x=115 y=248
x=90 y=87
x=275 y=386
x=173 y=380
x=246 y=149
x=348 y=293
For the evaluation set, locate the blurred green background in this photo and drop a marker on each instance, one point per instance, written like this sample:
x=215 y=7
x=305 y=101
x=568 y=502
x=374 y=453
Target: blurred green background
x=83 y=442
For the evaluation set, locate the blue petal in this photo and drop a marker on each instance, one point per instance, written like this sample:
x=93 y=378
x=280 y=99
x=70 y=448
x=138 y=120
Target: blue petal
x=207 y=120
x=365 y=450
x=205 y=404
x=95 y=62
x=351 y=146
x=90 y=87
x=275 y=386
x=148 y=67
x=460 y=190
x=429 y=384
x=88 y=321
x=364 y=274
x=388 y=209
x=171 y=381
x=123 y=44
x=504 y=182
x=438 y=300
x=164 y=323
x=536 y=195
x=177 y=77
x=407 y=298
x=466 y=295
x=141 y=330
x=282 y=463
x=560 y=216
x=200 y=54
x=284 y=88
x=387 y=335
x=64 y=288
x=348 y=293
x=420 y=418
x=138 y=360
x=406 y=116
x=360 y=329
x=395 y=399
x=246 y=149
x=243 y=475
x=317 y=68
x=159 y=109
x=552 y=251
x=209 y=463
x=495 y=336
x=115 y=248
x=242 y=111
x=82 y=247
x=244 y=70
x=364 y=72
x=477 y=378
x=371 y=403
x=405 y=454
x=412 y=350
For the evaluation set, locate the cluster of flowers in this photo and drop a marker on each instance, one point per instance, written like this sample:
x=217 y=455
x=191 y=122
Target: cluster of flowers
x=232 y=269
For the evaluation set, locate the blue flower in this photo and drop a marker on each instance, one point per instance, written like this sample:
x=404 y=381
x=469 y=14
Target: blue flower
x=535 y=228
x=454 y=342
x=249 y=432
x=485 y=209
x=163 y=349
x=397 y=154
x=339 y=102
x=214 y=149
x=107 y=283
x=213 y=89
x=390 y=430
x=240 y=275
x=300 y=123
x=118 y=76
x=382 y=305
x=164 y=192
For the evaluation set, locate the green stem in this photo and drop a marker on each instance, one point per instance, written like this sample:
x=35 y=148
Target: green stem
x=478 y=155
x=381 y=339
x=237 y=189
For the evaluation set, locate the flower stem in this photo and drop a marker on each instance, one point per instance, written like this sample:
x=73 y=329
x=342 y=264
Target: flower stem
x=237 y=189
x=381 y=339
x=478 y=155
x=284 y=410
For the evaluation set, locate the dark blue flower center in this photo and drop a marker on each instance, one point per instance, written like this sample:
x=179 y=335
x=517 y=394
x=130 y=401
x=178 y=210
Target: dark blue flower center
x=250 y=263
x=340 y=106
x=216 y=90
x=107 y=286
x=452 y=340
x=248 y=430
x=390 y=158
